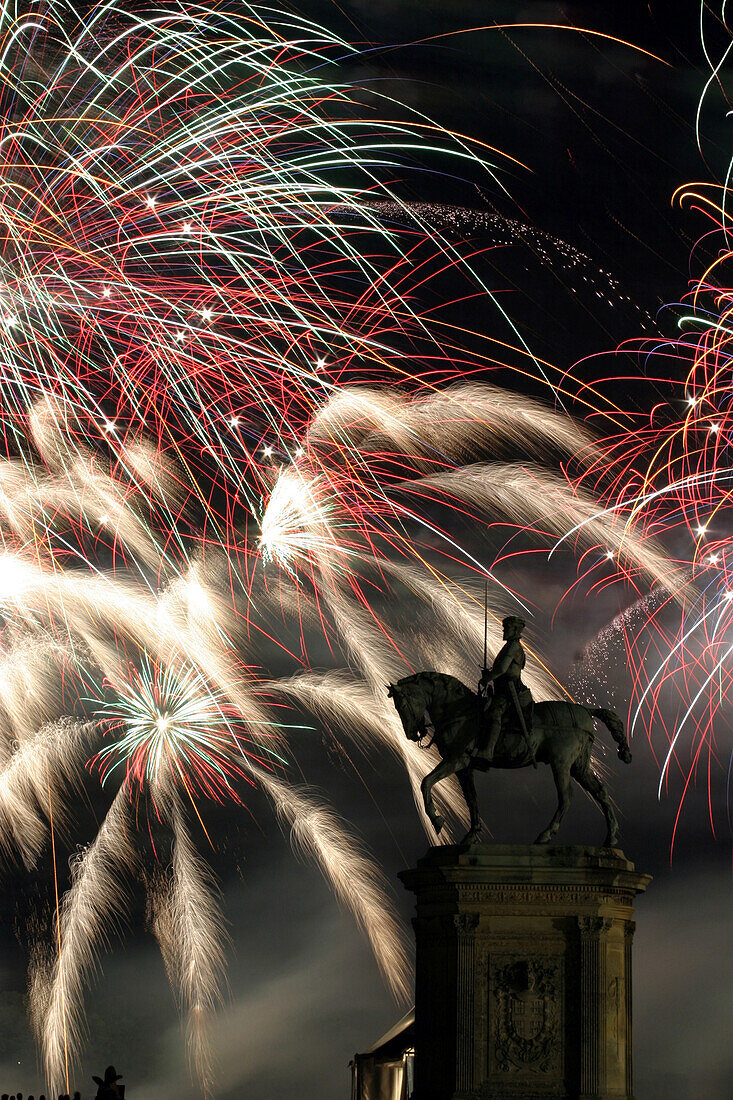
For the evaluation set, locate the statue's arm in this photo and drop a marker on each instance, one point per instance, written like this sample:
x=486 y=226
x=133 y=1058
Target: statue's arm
x=504 y=661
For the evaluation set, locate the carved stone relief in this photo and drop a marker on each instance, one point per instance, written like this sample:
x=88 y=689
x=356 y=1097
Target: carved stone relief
x=527 y=1014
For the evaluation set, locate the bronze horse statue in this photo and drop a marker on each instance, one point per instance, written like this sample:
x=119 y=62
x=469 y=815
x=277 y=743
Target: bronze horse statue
x=562 y=736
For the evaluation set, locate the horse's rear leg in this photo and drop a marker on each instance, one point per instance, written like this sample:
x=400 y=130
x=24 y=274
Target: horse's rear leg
x=590 y=782
x=561 y=775
x=465 y=778
x=442 y=771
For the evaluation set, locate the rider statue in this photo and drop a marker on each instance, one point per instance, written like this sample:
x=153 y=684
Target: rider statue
x=512 y=702
x=471 y=733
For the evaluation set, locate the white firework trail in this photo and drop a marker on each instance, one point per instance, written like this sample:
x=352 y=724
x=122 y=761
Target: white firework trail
x=357 y=883
x=187 y=923
x=94 y=906
x=35 y=783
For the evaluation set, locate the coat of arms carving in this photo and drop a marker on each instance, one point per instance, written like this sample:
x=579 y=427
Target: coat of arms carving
x=528 y=1014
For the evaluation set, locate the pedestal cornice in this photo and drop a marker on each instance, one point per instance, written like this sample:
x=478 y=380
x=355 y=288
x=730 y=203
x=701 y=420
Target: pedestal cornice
x=530 y=865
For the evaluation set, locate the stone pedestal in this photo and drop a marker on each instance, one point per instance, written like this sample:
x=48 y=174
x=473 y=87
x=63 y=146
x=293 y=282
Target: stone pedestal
x=523 y=972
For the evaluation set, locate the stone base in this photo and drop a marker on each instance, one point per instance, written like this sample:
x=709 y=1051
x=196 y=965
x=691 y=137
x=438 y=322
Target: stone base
x=523 y=972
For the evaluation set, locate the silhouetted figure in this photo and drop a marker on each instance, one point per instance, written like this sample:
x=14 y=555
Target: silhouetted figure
x=31 y=1097
x=108 y=1089
x=4 y=1096
x=42 y=1097
x=77 y=1096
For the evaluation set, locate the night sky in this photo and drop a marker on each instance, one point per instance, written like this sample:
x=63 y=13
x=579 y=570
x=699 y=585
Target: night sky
x=607 y=135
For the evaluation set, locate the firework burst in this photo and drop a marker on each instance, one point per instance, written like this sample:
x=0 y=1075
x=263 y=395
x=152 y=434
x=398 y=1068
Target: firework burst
x=167 y=726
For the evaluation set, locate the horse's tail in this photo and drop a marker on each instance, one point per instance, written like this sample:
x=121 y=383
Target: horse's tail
x=615 y=726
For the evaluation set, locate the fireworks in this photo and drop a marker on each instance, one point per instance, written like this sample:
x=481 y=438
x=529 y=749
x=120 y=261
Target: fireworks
x=664 y=476
x=296 y=520
x=672 y=482
x=220 y=439
x=190 y=291
x=168 y=726
x=149 y=640
x=179 y=258
x=179 y=243
x=147 y=684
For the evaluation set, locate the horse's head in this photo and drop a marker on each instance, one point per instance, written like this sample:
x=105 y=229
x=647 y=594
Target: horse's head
x=410 y=709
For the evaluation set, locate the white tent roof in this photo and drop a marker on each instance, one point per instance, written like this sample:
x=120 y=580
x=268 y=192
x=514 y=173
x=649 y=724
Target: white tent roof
x=394 y=1031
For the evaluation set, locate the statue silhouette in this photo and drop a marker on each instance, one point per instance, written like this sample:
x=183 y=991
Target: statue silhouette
x=107 y=1087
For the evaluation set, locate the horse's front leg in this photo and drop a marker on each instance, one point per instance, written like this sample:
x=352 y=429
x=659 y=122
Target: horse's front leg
x=442 y=771
x=465 y=778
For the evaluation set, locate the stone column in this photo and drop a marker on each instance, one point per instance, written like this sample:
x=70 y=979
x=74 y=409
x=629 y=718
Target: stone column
x=465 y=925
x=628 y=939
x=593 y=1004
x=523 y=972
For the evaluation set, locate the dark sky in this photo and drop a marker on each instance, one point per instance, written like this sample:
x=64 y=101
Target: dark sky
x=607 y=136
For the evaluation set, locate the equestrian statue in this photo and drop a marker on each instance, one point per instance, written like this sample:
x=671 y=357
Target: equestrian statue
x=505 y=728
